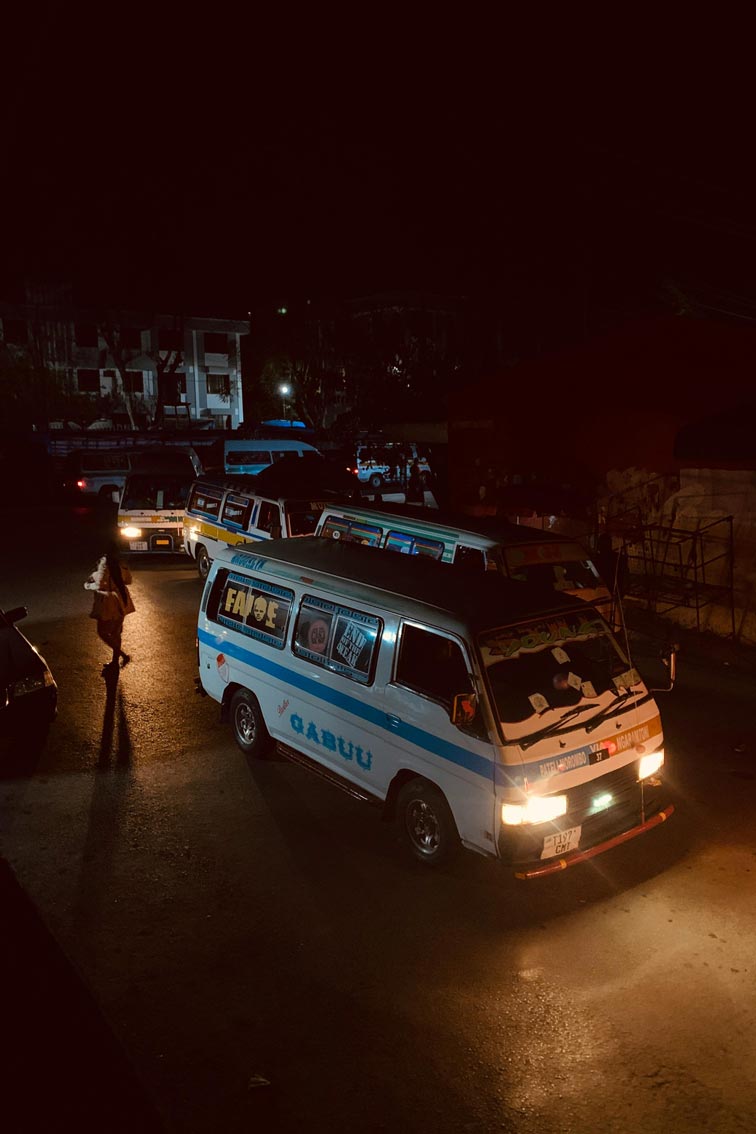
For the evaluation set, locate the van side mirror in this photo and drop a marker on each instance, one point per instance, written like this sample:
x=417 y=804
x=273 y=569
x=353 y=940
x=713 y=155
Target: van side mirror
x=16 y=614
x=669 y=658
x=115 y=496
x=464 y=708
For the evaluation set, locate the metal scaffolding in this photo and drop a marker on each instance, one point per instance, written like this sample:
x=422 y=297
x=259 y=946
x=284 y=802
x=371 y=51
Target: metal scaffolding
x=671 y=567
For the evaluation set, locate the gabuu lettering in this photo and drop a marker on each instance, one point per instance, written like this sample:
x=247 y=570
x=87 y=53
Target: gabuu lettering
x=324 y=738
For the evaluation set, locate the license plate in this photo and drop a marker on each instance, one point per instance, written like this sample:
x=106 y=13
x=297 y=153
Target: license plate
x=561 y=842
x=162 y=543
x=138 y=545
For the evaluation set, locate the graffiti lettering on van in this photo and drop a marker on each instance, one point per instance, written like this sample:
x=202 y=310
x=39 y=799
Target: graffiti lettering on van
x=328 y=740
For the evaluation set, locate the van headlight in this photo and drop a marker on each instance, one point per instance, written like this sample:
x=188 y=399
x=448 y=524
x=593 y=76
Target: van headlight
x=131 y=533
x=538 y=809
x=650 y=764
x=32 y=684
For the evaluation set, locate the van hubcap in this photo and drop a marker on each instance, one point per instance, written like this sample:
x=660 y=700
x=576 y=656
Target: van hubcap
x=423 y=827
x=245 y=722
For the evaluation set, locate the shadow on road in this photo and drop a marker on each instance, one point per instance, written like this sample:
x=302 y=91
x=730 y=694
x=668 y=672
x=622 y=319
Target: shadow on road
x=62 y=1068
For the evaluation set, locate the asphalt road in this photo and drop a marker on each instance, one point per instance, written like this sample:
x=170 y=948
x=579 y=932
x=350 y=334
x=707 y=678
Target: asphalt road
x=224 y=946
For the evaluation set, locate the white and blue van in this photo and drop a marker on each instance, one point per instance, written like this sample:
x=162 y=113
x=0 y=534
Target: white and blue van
x=221 y=512
x=474 y=710
x=247 y=456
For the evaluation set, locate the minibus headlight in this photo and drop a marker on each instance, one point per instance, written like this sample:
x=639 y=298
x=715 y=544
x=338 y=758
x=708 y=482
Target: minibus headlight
x=538 y=809
x=131 y=533
x=647 y=765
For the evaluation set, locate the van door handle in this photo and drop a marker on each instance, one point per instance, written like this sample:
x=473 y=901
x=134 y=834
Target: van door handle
x=393 y=721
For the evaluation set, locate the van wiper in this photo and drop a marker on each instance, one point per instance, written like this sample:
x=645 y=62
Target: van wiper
x=555 y=725
x=609 y=711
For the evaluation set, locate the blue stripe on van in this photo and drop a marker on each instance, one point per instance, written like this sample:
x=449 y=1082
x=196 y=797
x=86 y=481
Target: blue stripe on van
x=454 y=753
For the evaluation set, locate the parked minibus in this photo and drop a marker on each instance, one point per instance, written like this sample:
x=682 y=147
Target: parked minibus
x=475 y=711
x=220 y=512
x=248 y=456
x=518 y=552
x=151 y=502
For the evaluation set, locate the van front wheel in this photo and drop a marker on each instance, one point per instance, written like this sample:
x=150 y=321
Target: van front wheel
x=203 y=563
x=426 y=823
x=248 y=725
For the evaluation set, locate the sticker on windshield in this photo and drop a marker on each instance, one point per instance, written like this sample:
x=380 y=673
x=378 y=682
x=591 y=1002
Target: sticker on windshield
x=573 y=680
x=587 y=689
x=539 y=702
x=500 y=644
x=627 y=679
x=558 y=654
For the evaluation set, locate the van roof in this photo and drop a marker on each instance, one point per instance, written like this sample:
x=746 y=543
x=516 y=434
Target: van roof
x=482 y=598
x=249 y=485
x=493 y=528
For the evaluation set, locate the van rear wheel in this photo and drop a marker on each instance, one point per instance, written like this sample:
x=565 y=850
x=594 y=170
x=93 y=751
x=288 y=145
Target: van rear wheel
x=203 y=562
x=248 y=725
x=426 y=823
x=376 y=480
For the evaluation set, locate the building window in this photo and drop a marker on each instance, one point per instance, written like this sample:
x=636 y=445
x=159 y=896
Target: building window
x=15 y=331
x=88 y=381
x=135 y=381
x=169 y=339
x=131 y=338
x=216 y=343
x=86 y=336
x=218 y=384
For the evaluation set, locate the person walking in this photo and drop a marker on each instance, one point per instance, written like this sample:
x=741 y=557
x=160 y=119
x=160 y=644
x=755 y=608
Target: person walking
x=112 y=602
x=415 y=493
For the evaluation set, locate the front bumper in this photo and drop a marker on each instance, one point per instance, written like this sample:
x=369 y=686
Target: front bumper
x=636 y=807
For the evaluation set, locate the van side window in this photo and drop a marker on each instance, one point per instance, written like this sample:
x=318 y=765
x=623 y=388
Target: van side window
x=469 y=557
x=432 y=665
x=236 y=511
x=335 y=527
x=253 y=607
x=351 y=531
x=202 y=500
x=433 y=548
x=364 y=533
x=267 y=518
x=338 y=638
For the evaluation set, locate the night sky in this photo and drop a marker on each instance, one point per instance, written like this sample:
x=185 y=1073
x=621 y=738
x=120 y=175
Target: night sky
x=214 y=162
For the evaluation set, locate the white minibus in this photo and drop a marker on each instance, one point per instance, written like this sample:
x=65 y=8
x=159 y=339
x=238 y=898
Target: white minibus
x=475 y=711
x=151 y=502
x=220 y=512
x=518 y=552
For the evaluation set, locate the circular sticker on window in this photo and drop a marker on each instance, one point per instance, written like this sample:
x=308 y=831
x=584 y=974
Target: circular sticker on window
x=222 y=664
x=317 y=636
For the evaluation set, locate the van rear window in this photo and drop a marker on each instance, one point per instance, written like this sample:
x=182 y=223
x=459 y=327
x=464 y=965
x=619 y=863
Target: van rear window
x=255 y=608
x=338 y=638
x=237 y=457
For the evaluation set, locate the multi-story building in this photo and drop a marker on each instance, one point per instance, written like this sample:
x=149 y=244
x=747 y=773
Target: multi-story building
x=184 y=366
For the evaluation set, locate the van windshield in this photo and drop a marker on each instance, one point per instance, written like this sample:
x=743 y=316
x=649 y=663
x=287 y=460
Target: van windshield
x=144 y=492
x=538 y=669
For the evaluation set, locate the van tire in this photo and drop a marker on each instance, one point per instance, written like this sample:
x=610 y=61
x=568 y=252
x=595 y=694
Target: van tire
x=203 y=562
x=376 y=480
x=426 y=824
x=248 y=725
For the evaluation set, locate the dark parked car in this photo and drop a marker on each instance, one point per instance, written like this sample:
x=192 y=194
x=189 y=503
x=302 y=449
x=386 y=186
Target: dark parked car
x=28 y=693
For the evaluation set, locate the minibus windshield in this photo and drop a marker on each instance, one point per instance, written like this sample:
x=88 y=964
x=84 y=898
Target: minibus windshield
x=545 y=671
x=145 y=493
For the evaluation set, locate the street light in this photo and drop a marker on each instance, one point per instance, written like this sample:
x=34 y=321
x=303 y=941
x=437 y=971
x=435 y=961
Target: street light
x=284 y=391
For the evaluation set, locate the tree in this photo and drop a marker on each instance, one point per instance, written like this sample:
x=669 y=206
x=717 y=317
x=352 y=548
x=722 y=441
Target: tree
x=119 y=356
